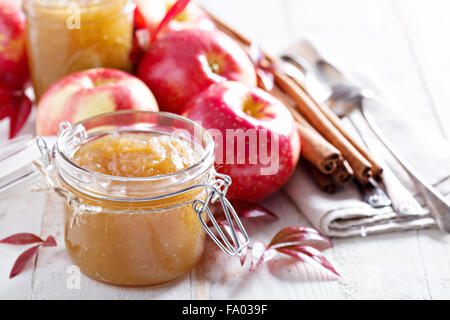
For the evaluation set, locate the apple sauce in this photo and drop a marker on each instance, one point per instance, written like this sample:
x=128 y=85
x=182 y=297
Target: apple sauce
x=66 y=36
x=124 y=244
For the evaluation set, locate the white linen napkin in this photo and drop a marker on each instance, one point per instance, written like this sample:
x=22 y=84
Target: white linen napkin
x=344 y=214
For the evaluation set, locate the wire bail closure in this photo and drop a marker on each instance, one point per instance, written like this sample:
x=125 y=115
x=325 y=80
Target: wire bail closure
x=217 y=191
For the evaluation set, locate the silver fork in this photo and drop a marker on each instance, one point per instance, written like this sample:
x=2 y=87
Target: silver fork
x=353 y=97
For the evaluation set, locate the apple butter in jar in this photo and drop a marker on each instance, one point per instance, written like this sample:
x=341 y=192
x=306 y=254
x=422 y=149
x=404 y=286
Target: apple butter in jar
x=66 y=36
x=138 y=186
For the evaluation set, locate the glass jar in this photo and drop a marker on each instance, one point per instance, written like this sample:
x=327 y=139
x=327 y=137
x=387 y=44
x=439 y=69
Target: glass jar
x=139 y=231
x=66 y=36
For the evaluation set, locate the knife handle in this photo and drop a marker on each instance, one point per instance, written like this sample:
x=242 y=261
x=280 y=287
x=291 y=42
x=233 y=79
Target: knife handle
x=403 y=201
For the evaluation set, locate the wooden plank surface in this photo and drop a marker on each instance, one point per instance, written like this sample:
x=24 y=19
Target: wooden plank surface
x=396 y=41
x=426 y=25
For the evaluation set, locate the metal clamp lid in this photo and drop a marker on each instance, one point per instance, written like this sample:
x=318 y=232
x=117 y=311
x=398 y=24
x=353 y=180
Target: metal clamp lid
x=217 y=191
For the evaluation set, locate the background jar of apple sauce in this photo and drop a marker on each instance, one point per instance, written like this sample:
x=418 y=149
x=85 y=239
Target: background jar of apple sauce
x=138 y=231
x=65 y=36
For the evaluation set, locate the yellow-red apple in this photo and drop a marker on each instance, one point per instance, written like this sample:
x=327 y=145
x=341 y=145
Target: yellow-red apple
x=257 y=143
x=183 y=63
x=89 y=93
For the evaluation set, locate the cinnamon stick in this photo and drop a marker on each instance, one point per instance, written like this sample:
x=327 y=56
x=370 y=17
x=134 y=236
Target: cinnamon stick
x=334 y=119
x=324 y=182
x=343 y=173
x=360 y=165
x=318 y=151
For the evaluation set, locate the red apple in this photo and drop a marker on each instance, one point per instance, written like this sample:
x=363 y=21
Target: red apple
x=88 y=93
x=257 y=143
x=13 y=57
x=149 y=14
x=183 y=63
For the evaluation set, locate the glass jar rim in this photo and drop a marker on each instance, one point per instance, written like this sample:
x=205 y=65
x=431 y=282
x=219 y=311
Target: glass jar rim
x=64 y=4
x=200 y=167
x=30 y=11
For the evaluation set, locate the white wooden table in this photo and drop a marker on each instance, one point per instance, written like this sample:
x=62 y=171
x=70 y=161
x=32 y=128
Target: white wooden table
x=403 y=43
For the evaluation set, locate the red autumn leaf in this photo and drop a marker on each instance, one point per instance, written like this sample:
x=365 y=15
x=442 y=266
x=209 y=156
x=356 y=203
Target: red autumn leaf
x=176 y=9
x=49 y=242
x=292 y=231
x=298 y=236
x=22 y=238
x=5 y=97
x=249 y=210
x=19 y=113
x=139 y=21
x=26 y=238
x=22 y=260
x=240 y=236
x=261 y=254
x=5 y=110
x=310 y=255
x=310 y=239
